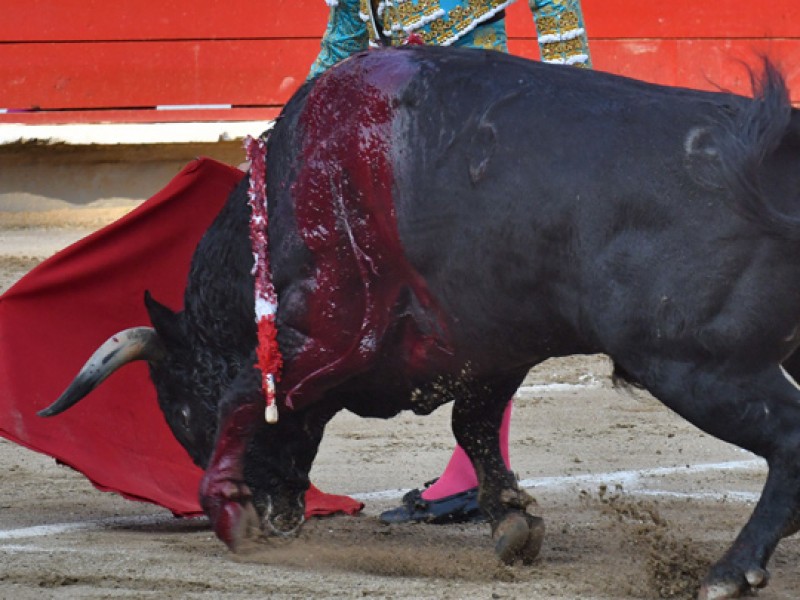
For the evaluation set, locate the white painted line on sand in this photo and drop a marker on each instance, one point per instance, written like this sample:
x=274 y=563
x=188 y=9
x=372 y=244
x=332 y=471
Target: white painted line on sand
x=631 y=480
x=542 y=388
x=59 y=528
x=43 y=530
x=20 y=548
x=742 y=497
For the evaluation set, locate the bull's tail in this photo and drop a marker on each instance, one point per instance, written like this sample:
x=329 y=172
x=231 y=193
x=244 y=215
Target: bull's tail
x=746 y=139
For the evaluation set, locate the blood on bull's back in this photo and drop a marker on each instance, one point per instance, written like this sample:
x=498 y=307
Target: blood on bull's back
x=598 y=212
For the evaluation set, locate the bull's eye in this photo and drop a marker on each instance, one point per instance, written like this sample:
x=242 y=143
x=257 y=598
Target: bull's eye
x=186 y=413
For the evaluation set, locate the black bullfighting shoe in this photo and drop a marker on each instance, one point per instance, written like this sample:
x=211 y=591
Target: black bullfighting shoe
x=458 y=508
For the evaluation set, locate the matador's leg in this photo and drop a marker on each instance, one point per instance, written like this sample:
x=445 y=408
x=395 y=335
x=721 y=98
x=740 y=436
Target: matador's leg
x=561 y=32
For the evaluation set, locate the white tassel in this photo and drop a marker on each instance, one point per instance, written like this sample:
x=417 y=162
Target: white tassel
x=271 y=414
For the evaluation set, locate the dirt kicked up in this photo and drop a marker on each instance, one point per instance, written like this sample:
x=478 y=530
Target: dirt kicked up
x=637 y=502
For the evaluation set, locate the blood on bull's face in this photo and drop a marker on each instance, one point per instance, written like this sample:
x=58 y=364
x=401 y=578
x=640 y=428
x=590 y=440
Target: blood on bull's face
x=441 y=221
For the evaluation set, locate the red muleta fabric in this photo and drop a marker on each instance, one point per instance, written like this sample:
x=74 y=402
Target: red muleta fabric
x=56 y=316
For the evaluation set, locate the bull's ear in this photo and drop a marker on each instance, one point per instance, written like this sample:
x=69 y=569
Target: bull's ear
x=166 y=322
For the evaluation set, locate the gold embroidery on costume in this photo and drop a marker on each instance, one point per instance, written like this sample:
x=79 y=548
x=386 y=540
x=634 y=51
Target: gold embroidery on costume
x=486 y=39
x=439 y=22
x=561 y=35
x=554 y=50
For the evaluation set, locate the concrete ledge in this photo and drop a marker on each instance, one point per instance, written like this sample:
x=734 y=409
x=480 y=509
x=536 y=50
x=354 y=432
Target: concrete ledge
x=62 y=167
x=110 y=134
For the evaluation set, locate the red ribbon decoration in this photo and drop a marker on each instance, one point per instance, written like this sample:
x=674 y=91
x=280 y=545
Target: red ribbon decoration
x=268 y=353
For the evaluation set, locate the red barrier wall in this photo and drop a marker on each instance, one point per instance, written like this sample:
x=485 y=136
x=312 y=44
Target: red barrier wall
x=95 y=60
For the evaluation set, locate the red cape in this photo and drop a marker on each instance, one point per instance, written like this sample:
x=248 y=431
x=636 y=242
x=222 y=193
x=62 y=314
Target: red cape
x=56 y=316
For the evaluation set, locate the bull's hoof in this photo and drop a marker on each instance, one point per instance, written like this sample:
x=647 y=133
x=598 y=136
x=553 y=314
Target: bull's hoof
x=239 y=526
x=535 y=539
x=283 y=525
x=518 y=536
x=733 y=586
x=283 y=514
x=228 y=505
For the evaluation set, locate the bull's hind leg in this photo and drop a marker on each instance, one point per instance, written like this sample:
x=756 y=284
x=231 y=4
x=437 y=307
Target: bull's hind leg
x=761 y=413
x=477 y=415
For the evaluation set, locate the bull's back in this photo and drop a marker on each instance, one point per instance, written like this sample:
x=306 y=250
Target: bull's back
x=523 y=196
x=589 y=211
x=525 y=192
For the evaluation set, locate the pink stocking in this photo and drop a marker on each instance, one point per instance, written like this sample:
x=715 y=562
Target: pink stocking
x=459 y=475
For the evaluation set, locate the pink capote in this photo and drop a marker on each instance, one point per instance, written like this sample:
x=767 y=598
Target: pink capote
x=56 y=316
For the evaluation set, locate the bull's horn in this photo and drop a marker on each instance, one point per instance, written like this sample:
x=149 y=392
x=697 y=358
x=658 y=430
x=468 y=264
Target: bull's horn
x=137 y=343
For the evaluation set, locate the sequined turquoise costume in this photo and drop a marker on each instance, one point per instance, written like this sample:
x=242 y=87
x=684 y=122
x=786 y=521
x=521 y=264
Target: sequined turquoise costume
x=441 y=22
x=438 y=22
x=470 y=23
x=561 y=32
x=345 y=35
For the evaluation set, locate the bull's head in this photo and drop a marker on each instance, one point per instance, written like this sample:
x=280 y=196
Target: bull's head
x=189 y=406
x=191 y=382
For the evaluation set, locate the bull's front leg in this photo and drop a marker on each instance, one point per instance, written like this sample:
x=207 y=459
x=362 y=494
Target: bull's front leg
x=257 y=478
x=278 y=465
x=477 y=415
x=224 y=496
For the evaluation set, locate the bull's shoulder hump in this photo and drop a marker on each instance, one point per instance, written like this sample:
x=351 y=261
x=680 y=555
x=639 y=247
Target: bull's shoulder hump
x=384 y=70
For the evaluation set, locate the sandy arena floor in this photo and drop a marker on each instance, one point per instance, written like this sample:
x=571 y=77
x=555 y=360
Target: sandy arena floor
x=637 y=501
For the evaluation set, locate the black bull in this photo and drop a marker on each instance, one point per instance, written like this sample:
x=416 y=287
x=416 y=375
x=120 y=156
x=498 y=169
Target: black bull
x=443 y=220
